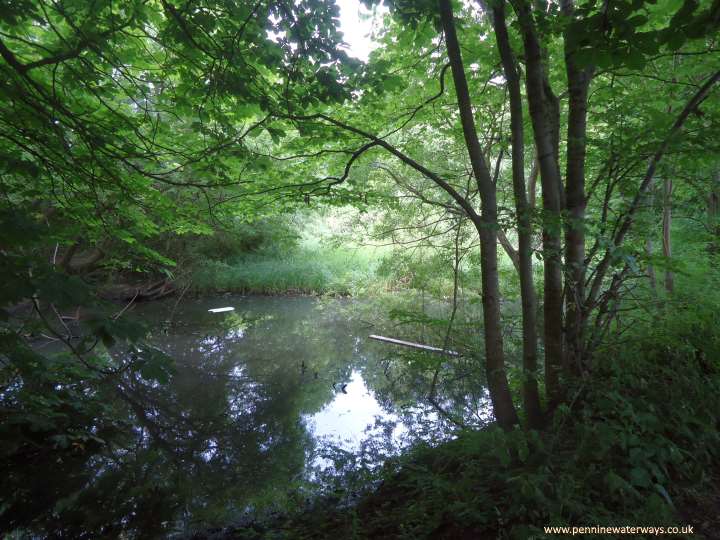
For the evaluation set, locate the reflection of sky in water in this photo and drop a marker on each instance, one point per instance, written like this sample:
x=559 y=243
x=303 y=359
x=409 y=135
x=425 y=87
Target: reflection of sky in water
x=344 y=420
x=255 y=406
x=277 y=349
x=211 y=450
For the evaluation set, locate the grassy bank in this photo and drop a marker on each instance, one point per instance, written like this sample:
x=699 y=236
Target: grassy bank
x=316 y=255
x=299 y=254
x=305 y=270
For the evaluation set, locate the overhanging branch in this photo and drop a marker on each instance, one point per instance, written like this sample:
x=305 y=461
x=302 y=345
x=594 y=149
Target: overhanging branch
x=626 y=224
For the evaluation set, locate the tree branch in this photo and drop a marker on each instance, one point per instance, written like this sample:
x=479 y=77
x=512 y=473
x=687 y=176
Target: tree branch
x=627 y=222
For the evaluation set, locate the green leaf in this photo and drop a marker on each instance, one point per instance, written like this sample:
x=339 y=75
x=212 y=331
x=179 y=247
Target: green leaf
x=614 y=482
x=676 y=40
x=639 y=477
x=635 y=59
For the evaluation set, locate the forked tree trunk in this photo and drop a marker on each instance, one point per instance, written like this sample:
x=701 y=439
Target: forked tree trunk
x=531 y=396
x=543 y=114
x=494 y=356
x=578 y=84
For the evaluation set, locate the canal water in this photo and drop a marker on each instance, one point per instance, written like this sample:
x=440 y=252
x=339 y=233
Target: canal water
x=264 y=403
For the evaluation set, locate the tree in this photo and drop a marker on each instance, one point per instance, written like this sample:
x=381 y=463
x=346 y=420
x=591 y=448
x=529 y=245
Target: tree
x=118 y=123
x=569 y=47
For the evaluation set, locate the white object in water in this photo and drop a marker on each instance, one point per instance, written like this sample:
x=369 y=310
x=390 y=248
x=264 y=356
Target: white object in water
x=414 y=345
x=221 y=309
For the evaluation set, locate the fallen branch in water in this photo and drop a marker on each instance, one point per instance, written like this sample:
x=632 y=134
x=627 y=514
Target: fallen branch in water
x=123 y=310
x=413 y=345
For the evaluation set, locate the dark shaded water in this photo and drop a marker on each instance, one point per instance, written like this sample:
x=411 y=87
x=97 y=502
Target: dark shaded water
x=262 y=397
x=257 y=389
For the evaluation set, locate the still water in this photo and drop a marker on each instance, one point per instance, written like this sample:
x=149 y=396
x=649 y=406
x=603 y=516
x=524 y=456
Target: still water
x=300 y=356
x=268 y=389
x=262 y=400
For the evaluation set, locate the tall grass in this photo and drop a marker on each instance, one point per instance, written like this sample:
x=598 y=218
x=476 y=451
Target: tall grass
x=305 y=270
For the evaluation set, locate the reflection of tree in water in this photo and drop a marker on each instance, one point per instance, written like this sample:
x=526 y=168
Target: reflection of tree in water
x=222 y=436
x=433 y=394
x=402 y=382
x=229 y=420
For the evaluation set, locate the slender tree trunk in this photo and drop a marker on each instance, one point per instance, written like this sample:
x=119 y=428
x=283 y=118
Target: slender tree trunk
x=509 y=249
x=532 y=182
x=626 y=224
x=667 y=213
x=543 y=114
x=578 y=84
x=531 y=396
x=713 y=216
x=666 y=230
x=649 y=248
x=495 y=361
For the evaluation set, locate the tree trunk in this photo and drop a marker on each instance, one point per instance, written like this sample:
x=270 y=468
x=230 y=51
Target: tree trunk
x=649 y=248
x=578 y=84
x=532 y=183
x=543 y=114
x=666 y=236
x=495 y=361
x=713 y=215
x=510 y=250
x=531 y=396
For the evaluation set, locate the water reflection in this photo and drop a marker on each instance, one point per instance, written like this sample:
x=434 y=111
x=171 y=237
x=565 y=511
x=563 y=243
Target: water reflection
x=345 y=421
x=256 y=394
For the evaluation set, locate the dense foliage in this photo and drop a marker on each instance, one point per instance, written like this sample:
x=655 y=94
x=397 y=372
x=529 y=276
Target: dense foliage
x=547 y=173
